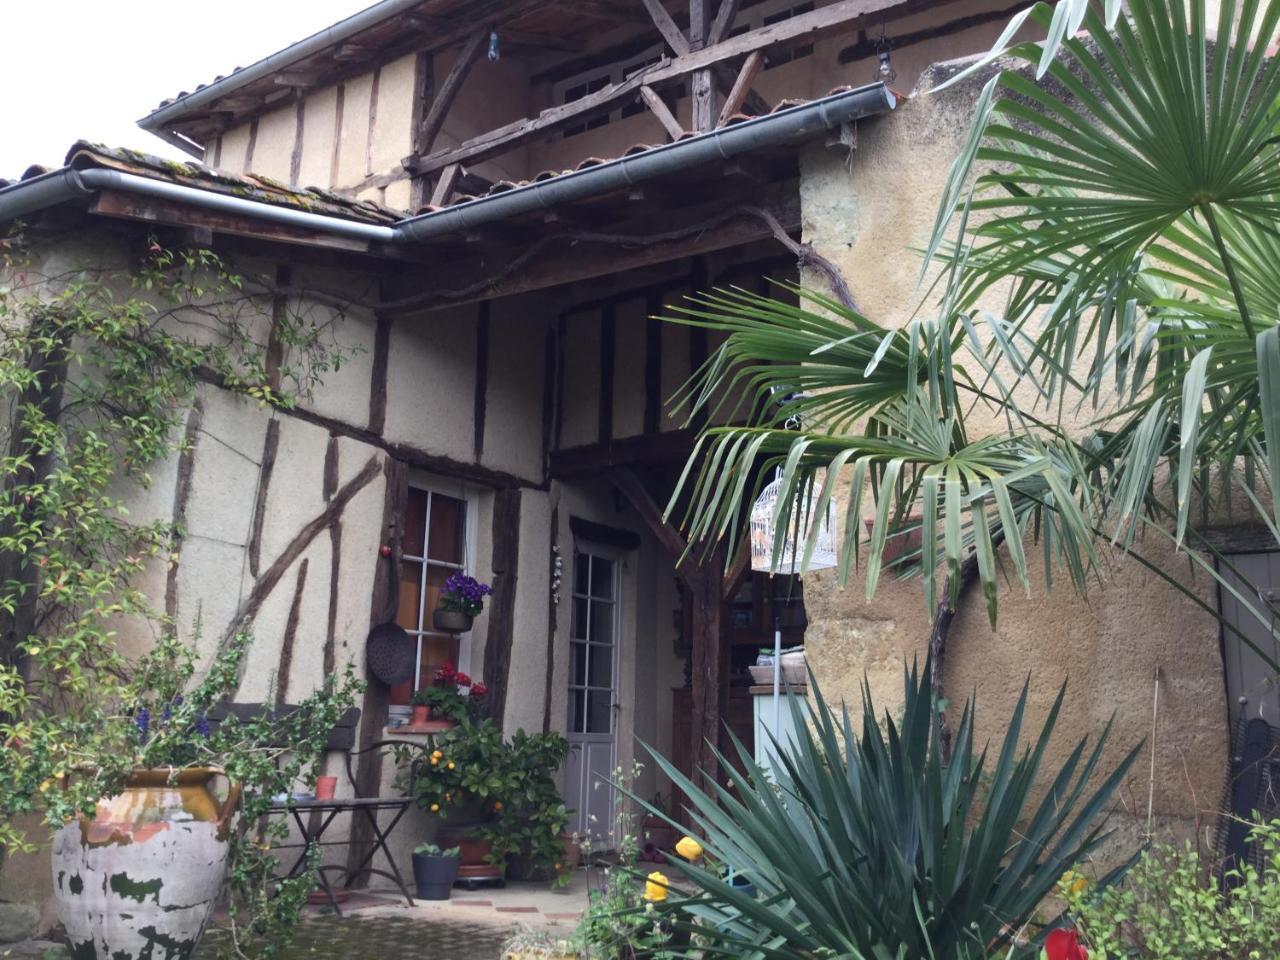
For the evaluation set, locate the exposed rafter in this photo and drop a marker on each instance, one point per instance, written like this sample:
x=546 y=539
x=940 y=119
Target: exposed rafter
x=452 y=84
x=675 y=38
x=803 y=28
x=741 y=86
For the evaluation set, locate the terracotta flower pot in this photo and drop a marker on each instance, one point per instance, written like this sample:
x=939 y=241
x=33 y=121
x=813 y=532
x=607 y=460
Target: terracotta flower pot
x=143 y=874
x=903 y=542
x=451 y=621
x=326 y=787
x=472 y=854
x=421 y=714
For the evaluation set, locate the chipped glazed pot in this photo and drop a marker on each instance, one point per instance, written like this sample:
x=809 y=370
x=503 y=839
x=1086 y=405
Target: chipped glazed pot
x=140 y=879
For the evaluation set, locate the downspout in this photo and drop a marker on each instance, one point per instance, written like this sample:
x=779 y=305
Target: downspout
x=772 y=130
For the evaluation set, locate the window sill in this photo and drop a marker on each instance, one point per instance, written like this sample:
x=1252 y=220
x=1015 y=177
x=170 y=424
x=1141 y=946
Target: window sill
x=420 y=729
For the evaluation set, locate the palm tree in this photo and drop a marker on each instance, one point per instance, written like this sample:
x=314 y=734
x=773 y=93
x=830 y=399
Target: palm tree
x=1131 y=210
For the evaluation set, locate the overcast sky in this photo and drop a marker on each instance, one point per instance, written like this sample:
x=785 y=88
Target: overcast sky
x=88 y=69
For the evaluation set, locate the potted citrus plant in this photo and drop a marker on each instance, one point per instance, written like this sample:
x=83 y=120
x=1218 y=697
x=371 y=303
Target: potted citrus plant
x=461 y=600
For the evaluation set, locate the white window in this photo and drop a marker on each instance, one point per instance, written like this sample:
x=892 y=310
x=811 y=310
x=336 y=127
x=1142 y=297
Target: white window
x=593 y=643
x=438 y=539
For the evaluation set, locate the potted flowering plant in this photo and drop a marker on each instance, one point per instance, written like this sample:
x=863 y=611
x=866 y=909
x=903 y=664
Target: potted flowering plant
x=461 y=600
x=452 y=697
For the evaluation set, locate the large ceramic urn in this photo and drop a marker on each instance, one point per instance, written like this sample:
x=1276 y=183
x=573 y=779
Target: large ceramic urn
x=140 y=879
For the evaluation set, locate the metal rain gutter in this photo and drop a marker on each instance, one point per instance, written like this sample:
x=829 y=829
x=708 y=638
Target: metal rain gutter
x=786 y=127
x=28 y=196
x=771 y=130
x=342 y=30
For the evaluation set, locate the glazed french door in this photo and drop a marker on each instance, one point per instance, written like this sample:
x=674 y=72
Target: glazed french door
x=592 y=701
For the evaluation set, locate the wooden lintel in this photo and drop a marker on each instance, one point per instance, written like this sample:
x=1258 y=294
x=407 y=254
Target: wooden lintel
x=804 y=28
x=449 y=89
x=672 y=446
x=113 y=203
x=658 y=107
x=741 y=86
x=638 y=495
x=676 y=40
x=576 y=261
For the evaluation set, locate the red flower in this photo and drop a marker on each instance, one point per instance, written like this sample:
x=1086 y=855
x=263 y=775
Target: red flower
x=478 y=689
x=1063 y=944
x=461 y=679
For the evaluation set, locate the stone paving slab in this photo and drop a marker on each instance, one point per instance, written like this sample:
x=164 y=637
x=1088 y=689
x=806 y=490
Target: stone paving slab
x=386 y=938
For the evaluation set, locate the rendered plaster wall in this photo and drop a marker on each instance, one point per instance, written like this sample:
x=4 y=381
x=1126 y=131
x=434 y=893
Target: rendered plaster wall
x=1111 y=645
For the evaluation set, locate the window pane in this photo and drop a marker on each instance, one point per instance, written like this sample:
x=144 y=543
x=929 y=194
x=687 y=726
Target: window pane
x=581 y=571
x=447 y=526
x=601 y=666
x=436 y=650
x=601 y=621
x=410 y=585
x=436 y=576
x=598 y=711
x=602 y=578
x=578 y=630
x=414 y=523
x=577 y=664
x=577 y=704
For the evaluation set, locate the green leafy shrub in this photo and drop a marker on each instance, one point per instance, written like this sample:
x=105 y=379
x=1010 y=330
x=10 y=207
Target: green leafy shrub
x=99 y=365
x=866 y=844
x=1174 y=906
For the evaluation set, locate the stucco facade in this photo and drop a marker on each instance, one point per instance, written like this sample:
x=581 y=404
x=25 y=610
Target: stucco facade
x=528 y=399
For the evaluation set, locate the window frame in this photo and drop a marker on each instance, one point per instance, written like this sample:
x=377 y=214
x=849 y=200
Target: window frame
x=432 y=487
x=615 y=558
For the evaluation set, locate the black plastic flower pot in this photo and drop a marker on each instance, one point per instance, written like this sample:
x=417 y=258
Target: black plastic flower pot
x=434 y=876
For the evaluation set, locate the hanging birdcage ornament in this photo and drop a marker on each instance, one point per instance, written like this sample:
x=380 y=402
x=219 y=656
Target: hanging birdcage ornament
x=804 y=514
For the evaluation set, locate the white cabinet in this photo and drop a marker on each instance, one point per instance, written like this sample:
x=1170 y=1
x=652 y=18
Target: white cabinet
x=763 y=710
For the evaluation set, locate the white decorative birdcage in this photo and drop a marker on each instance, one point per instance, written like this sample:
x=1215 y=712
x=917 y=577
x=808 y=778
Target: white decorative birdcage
x=804 y=514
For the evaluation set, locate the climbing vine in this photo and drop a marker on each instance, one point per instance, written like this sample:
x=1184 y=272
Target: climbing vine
x=99 y=366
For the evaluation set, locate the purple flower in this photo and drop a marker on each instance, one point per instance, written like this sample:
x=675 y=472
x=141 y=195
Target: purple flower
x=142 y=720
x=202 y=726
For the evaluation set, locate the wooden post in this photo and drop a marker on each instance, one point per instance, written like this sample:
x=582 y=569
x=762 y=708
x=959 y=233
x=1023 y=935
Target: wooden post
x=710 y=666
x=502 y=606
x=373 y=711
x=703 y=81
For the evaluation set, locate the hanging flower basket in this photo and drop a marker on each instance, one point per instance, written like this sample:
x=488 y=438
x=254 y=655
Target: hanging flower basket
x=451 y=621
x=461 y=600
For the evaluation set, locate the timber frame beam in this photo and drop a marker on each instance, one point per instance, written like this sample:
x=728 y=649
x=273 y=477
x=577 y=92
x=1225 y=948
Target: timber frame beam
x=706 y=54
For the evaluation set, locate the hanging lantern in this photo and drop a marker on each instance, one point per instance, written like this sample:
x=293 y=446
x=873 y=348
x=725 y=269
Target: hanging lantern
x=803 y=516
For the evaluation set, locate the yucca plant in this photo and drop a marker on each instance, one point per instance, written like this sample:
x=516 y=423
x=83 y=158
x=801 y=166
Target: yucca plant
x=864 y=844
x=1131 y=210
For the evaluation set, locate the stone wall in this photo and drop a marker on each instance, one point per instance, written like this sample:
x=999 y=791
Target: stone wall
x=1112 y=646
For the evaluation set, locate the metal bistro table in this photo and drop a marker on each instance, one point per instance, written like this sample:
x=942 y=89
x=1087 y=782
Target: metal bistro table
x=321 y=813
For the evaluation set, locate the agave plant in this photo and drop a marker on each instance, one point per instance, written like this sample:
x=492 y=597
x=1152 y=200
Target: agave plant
x=864 y=844
x=1131 y=209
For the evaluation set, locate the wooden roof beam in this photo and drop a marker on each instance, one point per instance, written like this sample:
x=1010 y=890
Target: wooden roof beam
x=803 y=28
x=674 y=36
x=741 y=86
x=658 y=107
x=448 y=91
